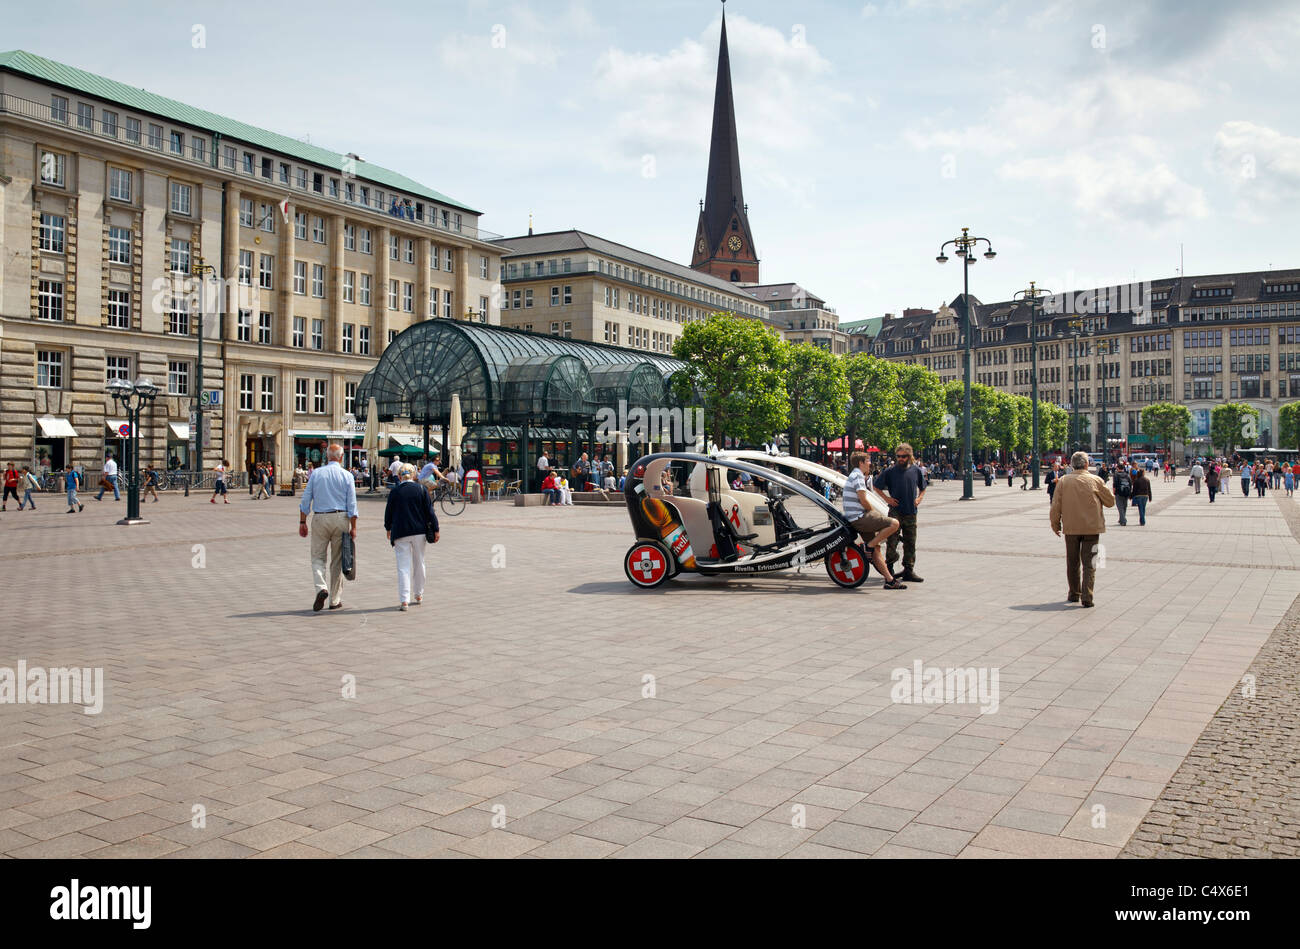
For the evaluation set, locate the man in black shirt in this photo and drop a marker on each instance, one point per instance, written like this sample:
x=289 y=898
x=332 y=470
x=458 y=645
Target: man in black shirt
x=903 y=488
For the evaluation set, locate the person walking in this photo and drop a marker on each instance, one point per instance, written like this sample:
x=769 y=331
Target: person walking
x=29 y=483
x=411 y=524
x=263 y=479
x=1261 y=480
x=1225 y=480
x=1141 y=494
x=1245 y=479
x=71 y=481
x=219 y=487
x=1053 y=476
x=1198 y=475
x=1288 y=479
x=1212 y=480
x=1078 y=511
x=903 y=489
x=108 y=480
x=874 y=527
x=151 y=481
x=331 y=498
x=1123 y=490
x=11 y=487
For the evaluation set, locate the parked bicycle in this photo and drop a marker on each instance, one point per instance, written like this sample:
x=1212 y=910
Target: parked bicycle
x=450 y=498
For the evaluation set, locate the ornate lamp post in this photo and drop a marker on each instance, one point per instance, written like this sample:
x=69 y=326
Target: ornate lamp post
x=1076 y=333
x=133 y=398
x=966 y=247
x=200 y=270
x=1033 y=298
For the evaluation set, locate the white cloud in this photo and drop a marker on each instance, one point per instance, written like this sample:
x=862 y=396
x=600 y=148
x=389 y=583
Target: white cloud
x=521 y=41
x=1260 y=165
x=1116 y=187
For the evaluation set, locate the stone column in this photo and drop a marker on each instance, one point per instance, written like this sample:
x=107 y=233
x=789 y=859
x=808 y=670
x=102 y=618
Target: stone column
x=423 y=263
x=383 y=273
x=230 y=266
x=461 y=301
x=334 y=318
x=284 y=278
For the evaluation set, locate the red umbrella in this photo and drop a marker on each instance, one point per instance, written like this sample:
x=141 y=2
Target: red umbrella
x=838 y=445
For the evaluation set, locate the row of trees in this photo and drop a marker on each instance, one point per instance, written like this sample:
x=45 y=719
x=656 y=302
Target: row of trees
x=1232 y=425
x=753 y=385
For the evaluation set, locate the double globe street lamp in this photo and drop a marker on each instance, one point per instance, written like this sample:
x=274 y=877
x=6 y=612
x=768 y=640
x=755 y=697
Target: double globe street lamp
x=965 y=249
x=1033 y=298
x=133 y=397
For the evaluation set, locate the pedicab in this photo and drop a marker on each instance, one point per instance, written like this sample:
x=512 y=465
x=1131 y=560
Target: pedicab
x=722 y=531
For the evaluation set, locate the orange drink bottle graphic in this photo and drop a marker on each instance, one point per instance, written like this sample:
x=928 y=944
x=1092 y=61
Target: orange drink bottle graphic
x=672 y=534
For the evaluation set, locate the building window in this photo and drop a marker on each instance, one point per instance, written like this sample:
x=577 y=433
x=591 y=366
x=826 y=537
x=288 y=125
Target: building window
x=109 y=125
x=408 y=298
x=265 y=332
x=299 y=332
x=246 y=212
x=244 y=328
x=229 y=156
x=198 y=148
x=483 y=268
x=268 y=393
x=49 y=369
x=319 y=397
x=349 y=398
x=301 y=178
x=177 y=143
x=85 y=116
x=178 y=317
x=300 y=396
x=408 y=252
x=483 y=309
x=318 y=230
x=349 y=337
x=59 y=109
x=49 y=301
x=265 y=269
x=349 y=237
x=300 y=277
x=392 y=335
x=365 y=240
x=365 y=290
x=433 y=303
x=394 y=288
x=568 y=295
x=449 y=260
x=447 y=312
x=349 y=286
x=246 y=383
x=317 y=334
x=334 y=187
x=363 y=340
x=155 y=136
x=300 y=225
x=119 y=184
x=180 y=256
x=119 y=245
x=178 y=378
x=267 y=214
x=284 y=173
x=318 y=280
x=268 y=169
x=117 y=367
x=392 y=247
x=246 y=268
x=52 y=233
x=555 y=296
x=53 y=169
x=181 y=198
x=119 y=309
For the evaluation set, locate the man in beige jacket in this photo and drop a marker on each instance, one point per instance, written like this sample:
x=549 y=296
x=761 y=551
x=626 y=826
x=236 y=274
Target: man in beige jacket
x=1078 y=505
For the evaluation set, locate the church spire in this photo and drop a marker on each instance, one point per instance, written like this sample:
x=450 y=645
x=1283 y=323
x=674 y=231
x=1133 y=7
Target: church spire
x=724 y=245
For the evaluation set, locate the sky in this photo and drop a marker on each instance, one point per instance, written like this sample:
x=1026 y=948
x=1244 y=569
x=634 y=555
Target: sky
x=1092 y=142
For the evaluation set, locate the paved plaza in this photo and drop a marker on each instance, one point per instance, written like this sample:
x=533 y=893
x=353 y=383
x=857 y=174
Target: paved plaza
x=537 y=705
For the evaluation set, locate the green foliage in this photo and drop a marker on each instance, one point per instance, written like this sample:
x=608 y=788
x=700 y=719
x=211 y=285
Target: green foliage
x=1167 y=423
x=818 y=390
x=1232 y=425
x=1288 y=425
x=739 y=365
x=1053 y=427
x=1003 y=420
x=923 y=405
x=876 y=411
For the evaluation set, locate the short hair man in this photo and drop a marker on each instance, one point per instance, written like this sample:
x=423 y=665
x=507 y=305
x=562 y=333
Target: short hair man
x=1078 y=509
x=874 y=527
x=331 y=498
x=903 y=488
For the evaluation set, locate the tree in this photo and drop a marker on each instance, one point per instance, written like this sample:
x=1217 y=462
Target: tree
x=1288 y=425
x=739 y=367
x=1081 y=434
x=1167 y=423
x=818 y=390
x=1053 y=427
x=1233 y=424
x=923 y=405
x=981 y=410
x=1002 y=422
x=876 y=410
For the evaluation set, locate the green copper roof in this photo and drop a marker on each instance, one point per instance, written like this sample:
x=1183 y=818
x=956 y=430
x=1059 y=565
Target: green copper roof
x=868 y=327
x=141 y=100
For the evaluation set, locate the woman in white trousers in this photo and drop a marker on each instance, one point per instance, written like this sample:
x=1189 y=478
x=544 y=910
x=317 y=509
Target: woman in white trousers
x=409 y=519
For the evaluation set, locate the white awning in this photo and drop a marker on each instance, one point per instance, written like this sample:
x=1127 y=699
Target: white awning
x=180 y=430
x=52 y=427
x=115 y=426
x=415 y=441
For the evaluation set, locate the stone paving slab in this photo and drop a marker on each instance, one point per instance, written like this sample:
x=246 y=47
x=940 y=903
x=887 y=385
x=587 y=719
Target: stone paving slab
x=541 y=707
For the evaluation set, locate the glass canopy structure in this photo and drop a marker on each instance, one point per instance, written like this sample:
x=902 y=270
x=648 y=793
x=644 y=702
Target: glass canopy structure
x=519 y=392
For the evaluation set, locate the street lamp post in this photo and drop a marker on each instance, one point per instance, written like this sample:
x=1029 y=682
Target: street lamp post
x=1034 y=298
x=966 y=246
x=200 y=270
x=133 y=398
x=1076 y=334
x=1102 y=345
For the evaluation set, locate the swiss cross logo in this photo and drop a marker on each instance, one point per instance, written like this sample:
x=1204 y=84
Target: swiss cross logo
x=646 y=565
x=847 y=565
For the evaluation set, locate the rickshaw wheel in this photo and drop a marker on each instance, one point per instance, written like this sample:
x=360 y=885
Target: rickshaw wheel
x=847 y=567
x=648 y=564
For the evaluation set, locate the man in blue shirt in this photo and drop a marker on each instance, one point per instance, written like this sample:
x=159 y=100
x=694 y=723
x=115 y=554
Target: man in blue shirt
x=874 y=527
x=903 y=488
x=70 y=481
x=331 y=495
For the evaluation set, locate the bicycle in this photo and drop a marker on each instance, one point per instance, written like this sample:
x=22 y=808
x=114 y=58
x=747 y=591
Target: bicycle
x=450 y=498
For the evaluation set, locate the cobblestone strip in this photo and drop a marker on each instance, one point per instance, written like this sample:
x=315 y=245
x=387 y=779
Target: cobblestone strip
x=1237 y=794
